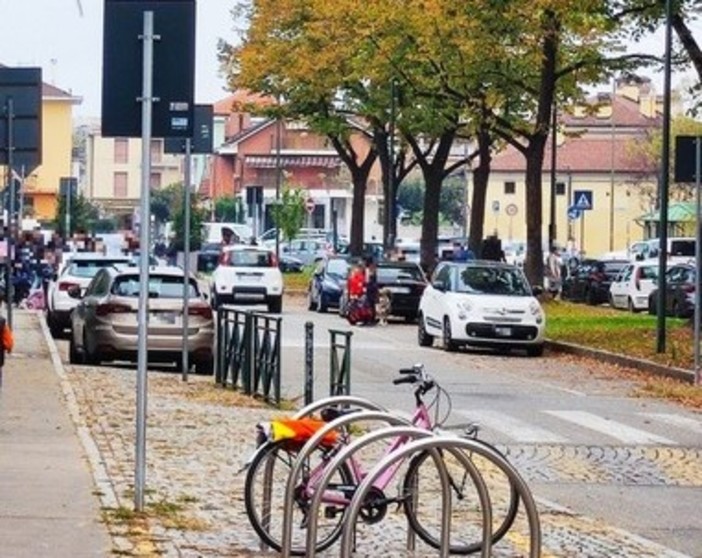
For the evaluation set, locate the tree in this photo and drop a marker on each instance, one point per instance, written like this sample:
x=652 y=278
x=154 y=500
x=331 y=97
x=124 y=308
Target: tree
x=163 y=202
x=84 y=215
x=289 y=214
x=410 y=195
x=228 y=209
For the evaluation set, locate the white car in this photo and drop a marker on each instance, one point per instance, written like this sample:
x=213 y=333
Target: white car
x=632 y=286
x=247 y=275
x=77 y=269
x=481 y=304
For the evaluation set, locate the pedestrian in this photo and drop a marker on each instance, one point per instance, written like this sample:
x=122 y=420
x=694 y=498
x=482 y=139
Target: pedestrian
x=372 y=288
x=7 y=343
x=553 y=272
x=227 y=240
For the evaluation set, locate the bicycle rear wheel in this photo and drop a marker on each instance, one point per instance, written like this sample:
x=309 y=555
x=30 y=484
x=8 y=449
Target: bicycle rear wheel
x=423 y=500
x=279 y=457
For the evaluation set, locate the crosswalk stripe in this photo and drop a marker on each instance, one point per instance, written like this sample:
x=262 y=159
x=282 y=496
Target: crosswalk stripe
x=678 y=421
x=621 y=432
x=514 y=428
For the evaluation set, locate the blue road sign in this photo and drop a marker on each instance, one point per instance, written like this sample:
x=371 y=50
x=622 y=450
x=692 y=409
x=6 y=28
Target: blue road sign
x=582 y=199
x=574 y=213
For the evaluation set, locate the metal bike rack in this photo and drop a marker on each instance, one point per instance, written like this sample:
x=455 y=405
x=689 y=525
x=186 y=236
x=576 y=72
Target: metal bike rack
x=310 y=445
x=409 y=432
x=450 y=443
x=337 y=400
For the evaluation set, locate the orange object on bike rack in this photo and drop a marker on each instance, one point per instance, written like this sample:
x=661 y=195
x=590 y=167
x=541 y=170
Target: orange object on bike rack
x=299 y=430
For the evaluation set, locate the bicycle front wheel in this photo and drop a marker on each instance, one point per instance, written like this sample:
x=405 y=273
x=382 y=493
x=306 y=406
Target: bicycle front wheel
x=264 y=494
x=422 y=500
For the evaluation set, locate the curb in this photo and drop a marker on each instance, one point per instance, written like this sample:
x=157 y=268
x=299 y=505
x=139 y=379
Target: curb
x=106 y=492
x=642 y=365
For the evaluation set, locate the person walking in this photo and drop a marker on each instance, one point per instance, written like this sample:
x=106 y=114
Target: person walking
x=553 y=272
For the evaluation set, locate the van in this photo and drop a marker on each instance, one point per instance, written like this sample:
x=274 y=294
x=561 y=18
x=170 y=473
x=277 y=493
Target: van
x=680 y=249
x=212 y=232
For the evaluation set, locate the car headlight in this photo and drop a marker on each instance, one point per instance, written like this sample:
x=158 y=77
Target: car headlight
x=536 y=311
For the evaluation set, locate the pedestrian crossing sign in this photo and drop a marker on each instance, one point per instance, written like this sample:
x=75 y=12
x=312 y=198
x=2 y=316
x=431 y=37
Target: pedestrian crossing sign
x=583 y=199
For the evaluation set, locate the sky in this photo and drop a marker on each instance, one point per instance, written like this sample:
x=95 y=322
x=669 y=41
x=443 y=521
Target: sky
x=53 y=35
x=67 y=46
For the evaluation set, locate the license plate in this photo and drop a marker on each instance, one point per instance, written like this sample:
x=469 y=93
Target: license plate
x=250 y=278
x=503 y=331
x=164 y=317
x=249 y=296
x=399 y=290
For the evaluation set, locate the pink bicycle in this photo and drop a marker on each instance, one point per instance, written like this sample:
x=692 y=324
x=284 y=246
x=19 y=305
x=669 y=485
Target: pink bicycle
x=418 y=491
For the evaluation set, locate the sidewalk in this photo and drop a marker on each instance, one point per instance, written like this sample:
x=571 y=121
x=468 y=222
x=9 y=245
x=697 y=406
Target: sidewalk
x=49 y=505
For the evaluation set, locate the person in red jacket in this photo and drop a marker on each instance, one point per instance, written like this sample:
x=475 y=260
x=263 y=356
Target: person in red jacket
x=356 y=282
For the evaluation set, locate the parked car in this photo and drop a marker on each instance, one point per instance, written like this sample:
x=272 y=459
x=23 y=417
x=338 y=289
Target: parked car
x=405 y=281
x=327 y=283
x=104 y=323
x=248 y=275
x=483 y=304
x=590 y=280
x=681 y=249
x=77 y=269
x=289 y=264
x=307 y=250
x=632 y=286
x=680 y=281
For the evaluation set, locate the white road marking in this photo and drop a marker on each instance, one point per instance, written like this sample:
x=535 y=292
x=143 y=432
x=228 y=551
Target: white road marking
x=516 y=429
x=678 y=421
x=621 y=432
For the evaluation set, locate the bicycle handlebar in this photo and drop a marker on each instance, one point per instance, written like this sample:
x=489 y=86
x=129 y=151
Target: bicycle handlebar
x=407 y=371
x=405 y=380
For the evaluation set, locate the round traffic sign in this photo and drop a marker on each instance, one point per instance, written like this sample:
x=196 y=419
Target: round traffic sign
x=511 y=209
x=309 y=205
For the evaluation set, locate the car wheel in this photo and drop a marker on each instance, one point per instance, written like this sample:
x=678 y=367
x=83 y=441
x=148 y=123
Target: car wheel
x=448 y=343
x=204 y=367
x=590 y=297
x=322 y=306
x=275 y=305
x=73 y=354
x=630 y=306
x=652 y=305
x=54 y=328
x=88 y=356
x=423 y=338
x=214 y=301
x=535 y=351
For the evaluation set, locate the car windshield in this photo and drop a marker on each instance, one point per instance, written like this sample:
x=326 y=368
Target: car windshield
x=160 y=286
x=88 y=268
x=492 y=280
x=250 y=258
x=402 y=273
x=338 y=268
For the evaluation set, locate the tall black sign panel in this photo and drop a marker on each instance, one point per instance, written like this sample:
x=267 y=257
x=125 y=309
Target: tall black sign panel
x=202 y=141
x=21 y=88
x=685 y=159
x=173 y=67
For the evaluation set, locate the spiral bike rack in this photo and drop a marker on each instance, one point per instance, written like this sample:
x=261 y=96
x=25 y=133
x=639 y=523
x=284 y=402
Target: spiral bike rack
x=410 y=432
x=449 y=443
x=310 y=445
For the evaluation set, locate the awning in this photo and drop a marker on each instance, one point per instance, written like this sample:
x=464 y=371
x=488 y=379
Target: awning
x=678 y=212
x=271 y=161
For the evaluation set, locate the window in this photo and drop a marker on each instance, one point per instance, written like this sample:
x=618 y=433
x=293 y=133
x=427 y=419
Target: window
x=510 y=187
x=156 y=150
x=155 y=181
x=119 y=188
x=121 y=154
x=560 y=188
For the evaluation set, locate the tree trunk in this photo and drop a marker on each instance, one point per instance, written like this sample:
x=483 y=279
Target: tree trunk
x=534 y=264
x=481 y=176
x=433 y=179
x=358 y=210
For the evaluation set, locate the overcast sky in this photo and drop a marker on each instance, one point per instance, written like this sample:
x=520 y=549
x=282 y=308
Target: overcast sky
x=52 y=34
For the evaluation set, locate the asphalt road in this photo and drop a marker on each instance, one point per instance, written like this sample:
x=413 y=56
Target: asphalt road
x=588 y=447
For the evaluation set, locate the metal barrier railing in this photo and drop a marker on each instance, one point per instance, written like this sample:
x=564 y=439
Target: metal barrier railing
x=265 y=361
x=248 y=352
x=340 y=362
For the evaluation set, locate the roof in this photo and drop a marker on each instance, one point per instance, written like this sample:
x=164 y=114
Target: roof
x=677 y=212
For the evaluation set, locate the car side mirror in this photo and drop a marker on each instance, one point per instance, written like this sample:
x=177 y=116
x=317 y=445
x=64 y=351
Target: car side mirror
x=74 y=291
x=438 y=285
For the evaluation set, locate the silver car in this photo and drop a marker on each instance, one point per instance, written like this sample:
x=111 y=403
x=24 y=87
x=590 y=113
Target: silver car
x=104 y=324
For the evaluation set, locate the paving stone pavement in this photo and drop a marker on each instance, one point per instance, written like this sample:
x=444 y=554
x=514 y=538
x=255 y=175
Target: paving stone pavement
x=198 y=439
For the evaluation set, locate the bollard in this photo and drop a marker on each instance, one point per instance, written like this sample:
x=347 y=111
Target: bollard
x=309 y=362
